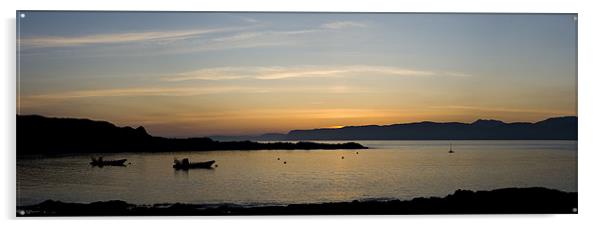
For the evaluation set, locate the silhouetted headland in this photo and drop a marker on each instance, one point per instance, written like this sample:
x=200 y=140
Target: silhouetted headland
x=500 y=201
x=558 y=128
x=38 y=135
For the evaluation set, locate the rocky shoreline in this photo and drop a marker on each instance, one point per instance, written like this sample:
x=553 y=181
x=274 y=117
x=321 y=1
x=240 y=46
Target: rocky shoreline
x=534 y=200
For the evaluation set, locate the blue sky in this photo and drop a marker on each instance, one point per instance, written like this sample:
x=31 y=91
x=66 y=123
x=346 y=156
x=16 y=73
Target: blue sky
x=195 y=74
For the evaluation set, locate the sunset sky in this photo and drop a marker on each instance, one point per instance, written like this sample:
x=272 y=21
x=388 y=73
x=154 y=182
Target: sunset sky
x=200 y=74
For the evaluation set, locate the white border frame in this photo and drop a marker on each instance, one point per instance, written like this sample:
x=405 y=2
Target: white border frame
x=589 y=111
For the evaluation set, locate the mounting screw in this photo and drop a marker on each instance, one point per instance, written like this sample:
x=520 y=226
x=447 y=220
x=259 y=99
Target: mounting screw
x=22 y=15
x=574 y=209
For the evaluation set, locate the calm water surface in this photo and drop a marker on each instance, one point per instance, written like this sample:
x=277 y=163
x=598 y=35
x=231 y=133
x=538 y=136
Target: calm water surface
x=391 y=169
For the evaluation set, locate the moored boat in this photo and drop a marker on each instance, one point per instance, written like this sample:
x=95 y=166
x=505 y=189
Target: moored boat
x=100 y=162
x=186 y=164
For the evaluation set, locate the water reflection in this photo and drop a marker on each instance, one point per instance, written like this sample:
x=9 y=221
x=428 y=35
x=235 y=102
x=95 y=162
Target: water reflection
x=393 y=169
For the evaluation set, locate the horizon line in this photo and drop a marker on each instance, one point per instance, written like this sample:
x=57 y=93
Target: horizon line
x=325 y=128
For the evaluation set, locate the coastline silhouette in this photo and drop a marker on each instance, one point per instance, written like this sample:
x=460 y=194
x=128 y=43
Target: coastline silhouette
x=557 y=128
x=535 y=200
x=38 y=135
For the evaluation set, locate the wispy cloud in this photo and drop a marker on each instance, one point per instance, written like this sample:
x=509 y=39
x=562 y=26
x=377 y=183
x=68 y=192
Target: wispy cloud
x=321 y=28
x=239 y=36
x=184 y=41
x=291 y=113
x=342 y=25
x=137 y=91
x=458 y=74
x=181 y=91
x=249 y=19
x=175 y=35
x=263 y=34
x=213 y=74
x=295 y=32
x=115 y=38
x=168 y=43
x=500 y=109
x=280 y=72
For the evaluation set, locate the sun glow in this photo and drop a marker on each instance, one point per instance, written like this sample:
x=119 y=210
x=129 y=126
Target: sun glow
x=222 y=74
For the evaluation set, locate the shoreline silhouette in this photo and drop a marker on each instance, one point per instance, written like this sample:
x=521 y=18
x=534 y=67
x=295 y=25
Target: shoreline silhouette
x=38 y=135
x=50 y=136
x=555 y=128
x=534 y=200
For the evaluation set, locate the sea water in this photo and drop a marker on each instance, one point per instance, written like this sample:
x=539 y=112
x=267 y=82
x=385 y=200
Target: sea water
x=388 y=170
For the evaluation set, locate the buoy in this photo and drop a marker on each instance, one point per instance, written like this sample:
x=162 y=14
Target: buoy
x=285 y=163
x=215 y=165
x=357 y=152
x=278 y=159
x=343 y=157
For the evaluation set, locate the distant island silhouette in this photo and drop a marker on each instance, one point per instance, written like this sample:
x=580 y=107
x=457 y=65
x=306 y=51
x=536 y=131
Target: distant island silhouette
x=557 y=128
x=39 y=135
x=535 y=200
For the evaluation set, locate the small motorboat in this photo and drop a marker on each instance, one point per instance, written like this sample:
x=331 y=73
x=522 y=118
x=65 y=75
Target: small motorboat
x=186 y=164
x=100 y=162
x=450 y=149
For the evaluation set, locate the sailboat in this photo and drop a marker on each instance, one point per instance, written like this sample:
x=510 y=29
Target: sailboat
x=450 y=149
